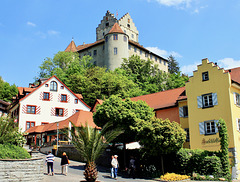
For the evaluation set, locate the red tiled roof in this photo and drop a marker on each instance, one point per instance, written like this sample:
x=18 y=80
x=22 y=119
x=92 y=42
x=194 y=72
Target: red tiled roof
x=97 y=101
x=116 y=29
x=79 y=96
x=162 y=99
x=235 y=74
x=71 y=47
x=85 y=46
x=78 y=119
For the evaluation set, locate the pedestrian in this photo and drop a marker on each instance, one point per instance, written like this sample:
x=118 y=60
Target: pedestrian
x=49 y=160
x=112 y=169
x=132 y=167
x=64 y=163
x=115 y=165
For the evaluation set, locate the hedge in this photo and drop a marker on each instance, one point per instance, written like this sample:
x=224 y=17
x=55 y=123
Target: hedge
x=8 y=151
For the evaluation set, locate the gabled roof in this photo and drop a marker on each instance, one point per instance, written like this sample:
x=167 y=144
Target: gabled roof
x=78 y=119
x=235 y=74
x=71 y=47
x=97 y=101
x=62 y=84
x=116 y=29
x=85 y=46
x=162 y=99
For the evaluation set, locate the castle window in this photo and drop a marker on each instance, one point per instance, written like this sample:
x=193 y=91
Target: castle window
x=150 y=56
x=146 y=54
x=135 y=49
x=115 y=37
x=53 y=86
x=164 y=62
x=155 y=58
x=115 y=50
x=125 y=31
x=103 y=47
x=95 y=63
x=140 y=52
x=125 y=38
x=132 y=35
x=128 y=25
x=129 y=47
x=89 y=53
x=95 y=52
x=107 y=18
x=160 y=61
x=128 y=20
x=205 y=76
x=103 y=33
x=107 y=24
x=106 y=39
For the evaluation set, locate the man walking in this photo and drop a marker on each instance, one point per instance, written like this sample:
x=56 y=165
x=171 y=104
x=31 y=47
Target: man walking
x=49 y=160
x=115 y=165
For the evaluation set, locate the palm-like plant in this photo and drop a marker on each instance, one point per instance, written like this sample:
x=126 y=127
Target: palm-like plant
x=91 y=142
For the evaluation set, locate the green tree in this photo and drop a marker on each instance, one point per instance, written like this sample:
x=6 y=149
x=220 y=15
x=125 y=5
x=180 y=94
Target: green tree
x=176 y=80
x=7 y=91
x=160 y=136
x=223 y=134
x=123 y=113
x=9 y=133
x=90 y=142
x=173 y=66
x=145 y=73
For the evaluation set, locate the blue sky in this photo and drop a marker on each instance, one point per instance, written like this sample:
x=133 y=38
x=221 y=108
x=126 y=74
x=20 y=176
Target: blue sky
x=190 y=30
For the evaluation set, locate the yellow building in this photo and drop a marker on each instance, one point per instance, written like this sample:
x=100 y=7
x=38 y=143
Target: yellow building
x=214 y=93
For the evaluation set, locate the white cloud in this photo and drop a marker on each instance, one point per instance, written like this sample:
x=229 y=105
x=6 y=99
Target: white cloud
x=163 y=53
x=228 y=63
x=31 y=24
x=53 y=32
x=188 y=69
x=185 y=3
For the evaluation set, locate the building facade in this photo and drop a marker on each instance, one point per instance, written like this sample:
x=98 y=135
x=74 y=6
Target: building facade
x=115 y=40
x=49 y=102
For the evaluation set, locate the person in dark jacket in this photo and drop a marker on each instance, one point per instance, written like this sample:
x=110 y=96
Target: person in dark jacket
x=64 y=163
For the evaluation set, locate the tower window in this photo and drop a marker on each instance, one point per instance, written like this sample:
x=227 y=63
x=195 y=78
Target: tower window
x=95 y=52
x=115 y=50
x=115 y=37
x=128 y=25
x=129 y=47
x=132 y=35
x=125 y=38
x=128 y=20
x=106 y=39
x=107 y=24
x=135 y=49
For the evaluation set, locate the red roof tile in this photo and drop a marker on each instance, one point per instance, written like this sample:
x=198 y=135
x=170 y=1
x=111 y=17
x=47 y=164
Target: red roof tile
x=162 y=99
x=85 y=46
x=71 y=47
x=116 y=29
x=235 y=74
x=79 y=118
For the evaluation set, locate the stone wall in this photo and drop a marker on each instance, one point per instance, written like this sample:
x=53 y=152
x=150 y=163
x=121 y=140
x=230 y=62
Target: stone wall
x=21 y=170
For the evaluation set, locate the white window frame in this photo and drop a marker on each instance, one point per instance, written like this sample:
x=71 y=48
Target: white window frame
x=206 y=129
x=207 y=100
x=236 y=98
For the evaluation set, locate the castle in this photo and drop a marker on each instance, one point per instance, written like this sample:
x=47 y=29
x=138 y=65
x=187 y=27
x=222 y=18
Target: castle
x=115 y=40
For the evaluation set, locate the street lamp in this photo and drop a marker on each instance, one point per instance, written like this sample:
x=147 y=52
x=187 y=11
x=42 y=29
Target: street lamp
x=57 y=137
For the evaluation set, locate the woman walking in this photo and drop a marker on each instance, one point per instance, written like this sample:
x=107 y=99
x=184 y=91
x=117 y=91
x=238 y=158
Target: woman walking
x=64 y=163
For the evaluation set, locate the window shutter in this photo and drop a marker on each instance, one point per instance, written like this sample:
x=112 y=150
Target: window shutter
x=181 y=112
x=216 y=125
x=215 y=101
x=199 y=101
x=237 y=124
x=201 y=128
x=234 y=97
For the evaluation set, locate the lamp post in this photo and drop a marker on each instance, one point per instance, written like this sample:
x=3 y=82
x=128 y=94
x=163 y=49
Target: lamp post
x=57 y=137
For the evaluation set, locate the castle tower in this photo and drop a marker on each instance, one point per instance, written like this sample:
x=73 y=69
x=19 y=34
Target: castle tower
x=116 y=47
x=106 y=25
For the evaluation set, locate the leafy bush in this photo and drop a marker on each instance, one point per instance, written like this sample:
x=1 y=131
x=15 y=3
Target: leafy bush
x=8 y=151
x=174 y=177
x=9 y=132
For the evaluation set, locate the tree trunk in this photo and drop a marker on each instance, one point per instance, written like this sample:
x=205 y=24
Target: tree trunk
x=162 y=164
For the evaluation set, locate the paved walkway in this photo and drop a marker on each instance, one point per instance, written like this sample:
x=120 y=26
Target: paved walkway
x=75 y=173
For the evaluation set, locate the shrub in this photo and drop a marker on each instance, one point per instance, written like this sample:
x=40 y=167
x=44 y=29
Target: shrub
x=8 y=151
x=174 y=177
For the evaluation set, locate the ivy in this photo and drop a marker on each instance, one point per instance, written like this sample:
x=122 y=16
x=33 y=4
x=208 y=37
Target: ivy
x=223 y=134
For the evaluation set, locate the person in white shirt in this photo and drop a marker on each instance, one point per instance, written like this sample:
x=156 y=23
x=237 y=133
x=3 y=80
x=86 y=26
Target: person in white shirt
x=49 y=160
x=115 y=165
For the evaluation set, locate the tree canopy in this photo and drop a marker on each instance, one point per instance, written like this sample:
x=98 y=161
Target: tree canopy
x=123 y=113
x=160 y=136
x=173 y=66
x=7 y=91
